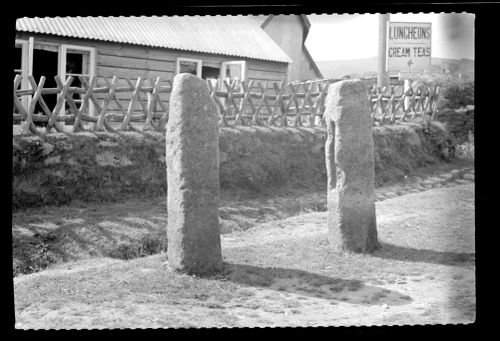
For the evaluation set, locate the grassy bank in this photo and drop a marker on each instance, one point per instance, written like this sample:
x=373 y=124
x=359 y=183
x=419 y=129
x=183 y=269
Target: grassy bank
x=59 y=168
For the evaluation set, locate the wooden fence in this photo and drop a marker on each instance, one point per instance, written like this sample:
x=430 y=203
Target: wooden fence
x=390 y=104
x=76 y=115
x=254 y=103
x=238 y=103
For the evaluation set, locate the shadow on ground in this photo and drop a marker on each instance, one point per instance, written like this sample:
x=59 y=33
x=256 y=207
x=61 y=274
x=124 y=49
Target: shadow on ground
x=305 y=283
x=44 y=240
x=403 y=253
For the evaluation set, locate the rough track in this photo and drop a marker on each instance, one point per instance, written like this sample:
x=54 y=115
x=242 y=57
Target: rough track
x=416 y=184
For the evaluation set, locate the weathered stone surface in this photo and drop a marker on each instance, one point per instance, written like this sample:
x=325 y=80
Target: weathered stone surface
x=330 y=156
x=350 y=168
x=192 y=155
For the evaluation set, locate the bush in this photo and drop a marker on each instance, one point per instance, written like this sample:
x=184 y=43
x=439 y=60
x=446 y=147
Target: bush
x=466 y=149
x=445 y=144
x=454 y=93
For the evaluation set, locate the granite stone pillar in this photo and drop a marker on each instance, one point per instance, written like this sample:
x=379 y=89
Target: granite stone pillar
x=350 y=168
x=192 y=157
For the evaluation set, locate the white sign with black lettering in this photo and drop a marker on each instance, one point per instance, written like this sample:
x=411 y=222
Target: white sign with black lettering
x=408 y=46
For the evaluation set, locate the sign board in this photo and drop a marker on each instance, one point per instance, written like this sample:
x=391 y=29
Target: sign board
x=408 y=46
x=409 y=75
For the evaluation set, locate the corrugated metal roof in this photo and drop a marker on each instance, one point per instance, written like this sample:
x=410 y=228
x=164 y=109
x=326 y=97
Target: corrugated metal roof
x=237 y=36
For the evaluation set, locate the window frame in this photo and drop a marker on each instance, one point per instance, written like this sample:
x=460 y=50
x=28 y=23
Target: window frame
x=26 y=66
x=241 y=63
x=62 y=64
x=199 y=64
x=28 y=47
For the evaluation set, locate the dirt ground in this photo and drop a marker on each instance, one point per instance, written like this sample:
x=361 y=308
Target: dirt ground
x=282 y=273
x=136 y=228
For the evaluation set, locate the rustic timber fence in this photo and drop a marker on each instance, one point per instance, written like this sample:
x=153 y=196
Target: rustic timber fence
x=239 y=103
x=394 y=103
x=272 y=104
x=66 y=109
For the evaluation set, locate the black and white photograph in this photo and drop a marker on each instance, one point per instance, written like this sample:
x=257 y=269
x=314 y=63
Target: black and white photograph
x=243 y=170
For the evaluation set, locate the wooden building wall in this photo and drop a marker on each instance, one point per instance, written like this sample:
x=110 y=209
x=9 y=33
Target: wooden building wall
x=133 y=61
x=307 y=71
x=288 y=32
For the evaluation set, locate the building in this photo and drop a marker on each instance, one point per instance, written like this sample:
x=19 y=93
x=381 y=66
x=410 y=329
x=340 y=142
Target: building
x=290 y=33
x=234 y=47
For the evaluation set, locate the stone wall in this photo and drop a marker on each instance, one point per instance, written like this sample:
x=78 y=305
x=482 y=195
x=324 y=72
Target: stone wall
x=59 y=168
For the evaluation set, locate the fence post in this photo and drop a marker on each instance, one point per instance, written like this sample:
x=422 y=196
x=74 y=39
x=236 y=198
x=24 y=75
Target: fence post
x=407 y=86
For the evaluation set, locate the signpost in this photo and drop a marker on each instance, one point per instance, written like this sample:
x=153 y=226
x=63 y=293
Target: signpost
x=382 y=78
x=408 y=47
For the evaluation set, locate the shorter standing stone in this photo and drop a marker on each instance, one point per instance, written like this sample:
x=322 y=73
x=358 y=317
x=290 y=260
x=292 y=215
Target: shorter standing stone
x=351 y=175
x=192 y=157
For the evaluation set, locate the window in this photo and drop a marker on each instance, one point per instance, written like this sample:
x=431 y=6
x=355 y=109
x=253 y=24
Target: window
x=45 y=59
x=233 y=70
x=50 y=59
x=186 y=65
x=77 y=61
x=210 y=72
x=19 y=60
x=22 y=66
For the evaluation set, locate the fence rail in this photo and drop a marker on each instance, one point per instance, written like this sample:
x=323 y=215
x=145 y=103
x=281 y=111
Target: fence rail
x=254 y=103
x=394 y=103
x=239 y=103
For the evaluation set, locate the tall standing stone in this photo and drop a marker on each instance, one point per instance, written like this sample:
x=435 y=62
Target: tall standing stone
x=350 y=168
x=192 y=157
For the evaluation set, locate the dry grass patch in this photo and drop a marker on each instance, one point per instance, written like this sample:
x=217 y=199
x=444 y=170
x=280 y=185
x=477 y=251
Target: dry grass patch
x=280 y=274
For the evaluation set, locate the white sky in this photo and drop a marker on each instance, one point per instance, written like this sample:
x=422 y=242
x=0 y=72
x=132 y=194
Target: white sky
x=346 y=36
